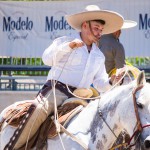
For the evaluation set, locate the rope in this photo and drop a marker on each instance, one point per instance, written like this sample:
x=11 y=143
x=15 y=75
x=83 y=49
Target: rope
x=98 y=97
x=58 y=125
x=74 y=138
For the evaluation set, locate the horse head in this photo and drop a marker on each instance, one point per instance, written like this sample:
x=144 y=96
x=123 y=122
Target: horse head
x=143 y=106
x=125 y=108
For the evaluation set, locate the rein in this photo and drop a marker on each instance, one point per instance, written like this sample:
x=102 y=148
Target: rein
x=139 y=125
x=134 y=134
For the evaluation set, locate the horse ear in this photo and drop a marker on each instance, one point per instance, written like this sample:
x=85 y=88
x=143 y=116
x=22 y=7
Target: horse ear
x=141 y=78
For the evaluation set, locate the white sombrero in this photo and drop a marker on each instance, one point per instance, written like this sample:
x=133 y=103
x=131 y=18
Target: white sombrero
x=128 y=24
x=113 y=20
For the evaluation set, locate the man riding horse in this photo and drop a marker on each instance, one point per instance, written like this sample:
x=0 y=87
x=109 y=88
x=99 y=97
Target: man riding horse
x=76 y=63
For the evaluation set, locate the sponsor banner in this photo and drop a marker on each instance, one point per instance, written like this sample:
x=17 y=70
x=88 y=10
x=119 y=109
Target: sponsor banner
x=28 y=28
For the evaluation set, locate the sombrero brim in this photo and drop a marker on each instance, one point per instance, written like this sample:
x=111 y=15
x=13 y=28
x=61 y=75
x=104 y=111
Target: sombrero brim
x=113 y=20
x=128 y=24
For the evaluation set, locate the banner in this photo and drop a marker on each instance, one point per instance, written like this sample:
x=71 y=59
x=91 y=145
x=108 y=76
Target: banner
x=28 y=28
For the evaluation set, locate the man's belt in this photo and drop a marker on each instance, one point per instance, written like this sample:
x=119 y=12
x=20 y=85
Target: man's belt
x=58 y=85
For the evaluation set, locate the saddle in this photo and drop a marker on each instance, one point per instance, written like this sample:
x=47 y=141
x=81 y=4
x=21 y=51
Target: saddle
x=66 y=112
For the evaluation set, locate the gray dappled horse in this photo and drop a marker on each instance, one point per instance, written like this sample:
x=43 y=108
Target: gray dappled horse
x=125 y=109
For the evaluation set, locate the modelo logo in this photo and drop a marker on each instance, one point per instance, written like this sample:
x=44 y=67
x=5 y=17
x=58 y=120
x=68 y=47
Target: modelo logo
x=51 y=24
x=20 y=24
x=144 y=22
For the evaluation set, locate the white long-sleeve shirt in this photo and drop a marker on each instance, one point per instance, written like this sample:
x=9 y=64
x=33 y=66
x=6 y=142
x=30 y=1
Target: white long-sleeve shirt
x=76 y=67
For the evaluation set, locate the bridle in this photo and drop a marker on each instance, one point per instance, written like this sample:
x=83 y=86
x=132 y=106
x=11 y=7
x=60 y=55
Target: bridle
x=139 y=126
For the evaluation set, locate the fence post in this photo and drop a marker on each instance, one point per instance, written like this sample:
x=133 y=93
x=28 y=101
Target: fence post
x=14 y=85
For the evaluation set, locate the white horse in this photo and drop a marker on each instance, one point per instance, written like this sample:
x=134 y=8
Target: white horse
x=101 y=122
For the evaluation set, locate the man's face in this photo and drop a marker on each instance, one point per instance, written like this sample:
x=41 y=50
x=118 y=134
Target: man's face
x=95 y=30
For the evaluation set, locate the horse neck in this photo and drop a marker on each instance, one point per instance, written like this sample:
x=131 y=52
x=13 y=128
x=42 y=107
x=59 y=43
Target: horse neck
x=87 y=115
x=81 y=124
x=103 y=118
x=113 y=108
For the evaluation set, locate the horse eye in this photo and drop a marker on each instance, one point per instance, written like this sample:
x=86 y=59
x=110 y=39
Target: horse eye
x=139 y=105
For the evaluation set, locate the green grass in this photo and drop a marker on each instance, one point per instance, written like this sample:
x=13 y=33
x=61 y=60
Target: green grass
x=135 y=61
x=139 y=61
x=23 y=62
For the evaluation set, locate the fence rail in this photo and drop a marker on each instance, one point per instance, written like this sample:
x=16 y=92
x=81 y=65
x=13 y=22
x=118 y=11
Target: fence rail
x=31 y=67
x=46 y=68
x=23 y=68
x=23 y=83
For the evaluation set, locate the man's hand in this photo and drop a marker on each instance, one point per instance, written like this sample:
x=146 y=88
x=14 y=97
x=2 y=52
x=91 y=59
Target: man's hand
x=76 y=43
x=118 y=76
x=115 y=79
